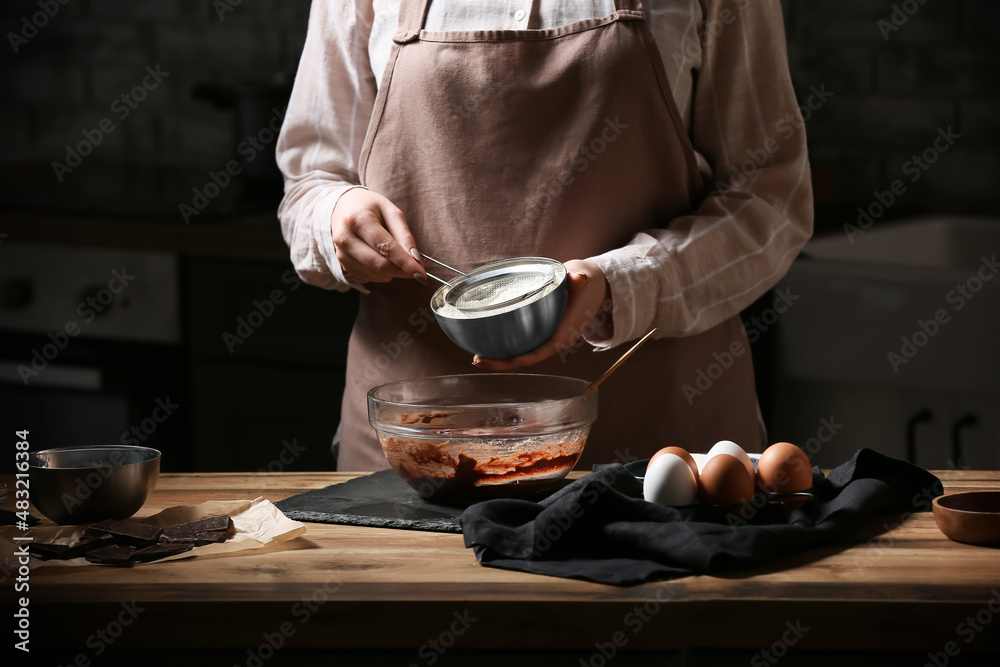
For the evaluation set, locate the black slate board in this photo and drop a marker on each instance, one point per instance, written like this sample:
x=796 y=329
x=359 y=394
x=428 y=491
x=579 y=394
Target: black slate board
x=380 y=500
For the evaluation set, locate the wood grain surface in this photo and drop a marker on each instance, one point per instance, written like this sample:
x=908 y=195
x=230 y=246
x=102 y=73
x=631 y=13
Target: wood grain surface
x=898 y=586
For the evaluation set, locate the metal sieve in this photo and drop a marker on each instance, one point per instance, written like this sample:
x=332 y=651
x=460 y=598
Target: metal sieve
x=491 y=288
x=502 y=309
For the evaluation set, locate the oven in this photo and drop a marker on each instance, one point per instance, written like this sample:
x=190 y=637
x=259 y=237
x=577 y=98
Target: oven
x=91 y=349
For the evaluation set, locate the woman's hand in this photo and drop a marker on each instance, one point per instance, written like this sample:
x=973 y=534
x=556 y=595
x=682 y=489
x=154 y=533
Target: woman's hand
x=588 y=294
x=373 y=241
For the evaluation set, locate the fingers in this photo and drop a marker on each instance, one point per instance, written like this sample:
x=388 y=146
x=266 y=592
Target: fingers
x=373 y=241
x=395 y=222
x=585 y=297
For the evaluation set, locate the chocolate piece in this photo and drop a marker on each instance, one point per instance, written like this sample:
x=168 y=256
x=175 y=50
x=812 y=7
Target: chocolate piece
x=129 y=532
x=158 y=551
x=211 y=524
x=83 y=546
x=199 y=538
x=113 y=555
x=46 y=550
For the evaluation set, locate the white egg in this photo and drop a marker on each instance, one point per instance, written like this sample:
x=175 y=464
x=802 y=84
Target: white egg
x=731 y=448
x=669 y=481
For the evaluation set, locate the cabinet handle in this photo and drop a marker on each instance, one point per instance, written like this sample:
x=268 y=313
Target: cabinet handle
x=963 y=422
x=919 y=417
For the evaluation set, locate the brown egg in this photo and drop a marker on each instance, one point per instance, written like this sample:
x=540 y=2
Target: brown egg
x=725 y=481
x=784 y=468
x=682 y=453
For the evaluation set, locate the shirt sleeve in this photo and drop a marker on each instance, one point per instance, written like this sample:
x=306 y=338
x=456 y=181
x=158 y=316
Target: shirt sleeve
x=323 y=132
x=746 y=126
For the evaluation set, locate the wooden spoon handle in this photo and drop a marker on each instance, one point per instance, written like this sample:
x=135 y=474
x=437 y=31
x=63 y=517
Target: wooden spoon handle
x=618 y=363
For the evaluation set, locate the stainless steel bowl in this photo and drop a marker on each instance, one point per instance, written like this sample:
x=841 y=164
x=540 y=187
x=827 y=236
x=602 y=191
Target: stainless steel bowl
x=72 y=485
x=461 y=438
x=513 y=332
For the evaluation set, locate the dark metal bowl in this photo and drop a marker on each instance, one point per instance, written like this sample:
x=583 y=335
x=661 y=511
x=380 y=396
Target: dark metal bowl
x=72 y=485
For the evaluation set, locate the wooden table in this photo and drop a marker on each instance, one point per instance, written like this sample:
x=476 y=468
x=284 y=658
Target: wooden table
x=907 y=588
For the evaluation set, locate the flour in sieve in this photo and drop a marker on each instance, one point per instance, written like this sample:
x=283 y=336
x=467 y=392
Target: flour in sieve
x=501 y=295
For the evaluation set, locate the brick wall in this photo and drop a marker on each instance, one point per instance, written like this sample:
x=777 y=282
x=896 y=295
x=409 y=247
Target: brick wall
x=893 y=89
x=66 y=78
x=900 y=70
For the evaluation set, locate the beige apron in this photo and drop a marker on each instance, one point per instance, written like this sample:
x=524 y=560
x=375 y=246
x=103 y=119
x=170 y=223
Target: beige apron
x=562 y=143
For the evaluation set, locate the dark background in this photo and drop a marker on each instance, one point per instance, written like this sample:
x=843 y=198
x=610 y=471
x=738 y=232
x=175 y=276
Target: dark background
x=240 y=409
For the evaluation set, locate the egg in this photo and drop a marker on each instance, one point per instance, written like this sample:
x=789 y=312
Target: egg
x=725 y=481
x=677 y=451
x=669 y=481
x=731 y=448
x=784 y=468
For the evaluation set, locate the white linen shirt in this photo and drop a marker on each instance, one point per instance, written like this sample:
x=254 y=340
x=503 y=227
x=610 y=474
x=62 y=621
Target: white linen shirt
x=727 y=65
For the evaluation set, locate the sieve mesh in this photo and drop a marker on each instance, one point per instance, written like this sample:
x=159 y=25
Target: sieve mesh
x=499 y=291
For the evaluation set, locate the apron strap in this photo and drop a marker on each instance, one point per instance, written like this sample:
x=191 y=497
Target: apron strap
x=412 y=14
x=628 y=5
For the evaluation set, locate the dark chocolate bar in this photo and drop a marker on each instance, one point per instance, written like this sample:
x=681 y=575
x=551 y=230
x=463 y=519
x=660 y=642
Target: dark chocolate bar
x=199 y=538
x=81 y=547
x=210 y=525
x=113 y=555
x=158 y=551
x=129 y=532
x=47 y=550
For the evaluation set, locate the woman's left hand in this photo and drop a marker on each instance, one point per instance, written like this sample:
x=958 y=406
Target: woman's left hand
x=588 y=295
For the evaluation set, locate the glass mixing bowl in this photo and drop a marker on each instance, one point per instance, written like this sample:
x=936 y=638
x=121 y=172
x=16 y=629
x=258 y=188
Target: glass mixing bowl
x=464 y=438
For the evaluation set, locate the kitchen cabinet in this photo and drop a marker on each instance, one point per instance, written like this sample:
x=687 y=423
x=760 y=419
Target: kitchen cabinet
x=934 y=429
x=255 y=357
x=896 y=592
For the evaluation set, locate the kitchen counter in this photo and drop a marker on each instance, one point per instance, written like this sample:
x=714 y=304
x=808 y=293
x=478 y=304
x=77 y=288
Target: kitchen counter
x=907 y=588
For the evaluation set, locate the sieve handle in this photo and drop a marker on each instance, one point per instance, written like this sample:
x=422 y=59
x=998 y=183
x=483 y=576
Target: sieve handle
x=441 y=264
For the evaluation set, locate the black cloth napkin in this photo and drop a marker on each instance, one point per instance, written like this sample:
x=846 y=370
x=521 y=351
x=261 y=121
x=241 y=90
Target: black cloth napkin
x=600 y=529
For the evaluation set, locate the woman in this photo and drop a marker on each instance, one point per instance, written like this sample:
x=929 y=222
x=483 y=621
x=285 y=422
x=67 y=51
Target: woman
x=658 y=154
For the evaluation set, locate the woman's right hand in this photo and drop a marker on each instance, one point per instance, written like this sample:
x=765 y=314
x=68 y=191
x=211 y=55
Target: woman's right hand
x=373 y=241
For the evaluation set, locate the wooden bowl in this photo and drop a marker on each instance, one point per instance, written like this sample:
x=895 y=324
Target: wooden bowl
x=972 y=517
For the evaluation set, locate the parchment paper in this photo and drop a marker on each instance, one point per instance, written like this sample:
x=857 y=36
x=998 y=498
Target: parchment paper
x=257 y=523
